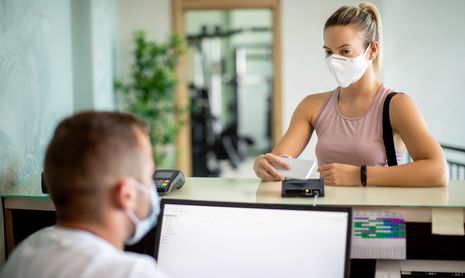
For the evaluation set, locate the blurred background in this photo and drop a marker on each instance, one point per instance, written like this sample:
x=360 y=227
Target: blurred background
x=243 y=71
x=230 y=63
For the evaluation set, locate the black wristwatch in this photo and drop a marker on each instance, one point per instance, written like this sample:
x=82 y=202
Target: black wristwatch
x=363 y=175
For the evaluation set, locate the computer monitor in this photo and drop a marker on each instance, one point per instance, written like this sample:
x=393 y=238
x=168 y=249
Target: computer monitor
x=221 y=239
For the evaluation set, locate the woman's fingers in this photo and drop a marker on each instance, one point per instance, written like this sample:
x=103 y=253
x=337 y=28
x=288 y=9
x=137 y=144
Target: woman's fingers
x=272 y=171
x=265 y=170
x=265 y=167
x=325 y=170
x=326 y=173
x=272 y=159
x=328 y=181
x=264 y=175
x=325 y=167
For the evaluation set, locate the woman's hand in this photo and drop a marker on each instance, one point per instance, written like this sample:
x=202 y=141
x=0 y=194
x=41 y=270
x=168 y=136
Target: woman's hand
x=264 y=167
x=340 y=174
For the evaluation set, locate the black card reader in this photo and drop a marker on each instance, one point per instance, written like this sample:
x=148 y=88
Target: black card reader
x=303 y=188
x=166 y=180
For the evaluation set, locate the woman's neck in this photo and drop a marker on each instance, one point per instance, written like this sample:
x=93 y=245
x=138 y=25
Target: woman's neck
x=365 y=88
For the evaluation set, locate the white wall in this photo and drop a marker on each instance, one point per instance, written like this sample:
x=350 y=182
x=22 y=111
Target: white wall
x=424 y=58
x=151 y=16
x=103 y=53
x=93 y=36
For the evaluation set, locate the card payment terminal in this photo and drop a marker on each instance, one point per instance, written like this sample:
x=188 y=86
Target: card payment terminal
x=166 y=180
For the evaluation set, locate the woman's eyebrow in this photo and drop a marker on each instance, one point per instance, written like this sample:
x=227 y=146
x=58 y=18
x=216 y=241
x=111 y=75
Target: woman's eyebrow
x=344 y=45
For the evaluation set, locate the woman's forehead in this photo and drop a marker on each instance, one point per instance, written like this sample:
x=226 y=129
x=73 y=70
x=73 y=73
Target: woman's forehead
x=337 y=36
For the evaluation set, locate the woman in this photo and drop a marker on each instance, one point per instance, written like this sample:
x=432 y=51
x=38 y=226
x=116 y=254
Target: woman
x=348 y=120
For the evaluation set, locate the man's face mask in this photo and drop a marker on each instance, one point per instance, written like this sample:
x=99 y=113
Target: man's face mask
x=347 y=70
x=143 y=226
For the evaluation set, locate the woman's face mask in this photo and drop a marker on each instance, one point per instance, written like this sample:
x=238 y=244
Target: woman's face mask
x=347 y=70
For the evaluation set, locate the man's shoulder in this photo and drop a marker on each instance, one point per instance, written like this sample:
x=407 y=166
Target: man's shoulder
x=70 y=252
x=125 y=264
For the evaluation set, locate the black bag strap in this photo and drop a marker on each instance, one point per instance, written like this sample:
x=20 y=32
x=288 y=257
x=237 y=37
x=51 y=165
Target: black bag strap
x=388 y=137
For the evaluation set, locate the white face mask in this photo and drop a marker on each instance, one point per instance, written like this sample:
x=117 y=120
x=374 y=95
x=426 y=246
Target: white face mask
x=143 y=226
x=347 y=70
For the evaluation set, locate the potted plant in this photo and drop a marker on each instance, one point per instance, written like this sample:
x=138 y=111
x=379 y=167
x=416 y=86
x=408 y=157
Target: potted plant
x=149 y=92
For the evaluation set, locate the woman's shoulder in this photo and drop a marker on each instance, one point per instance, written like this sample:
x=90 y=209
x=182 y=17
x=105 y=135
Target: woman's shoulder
x=311 y=105
x=317 y=98
x=400 y=99
x=401 y=103
x=314 y=102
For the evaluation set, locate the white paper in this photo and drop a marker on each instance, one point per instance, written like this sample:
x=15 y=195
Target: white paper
x=300 y=168
x=447 y=221
x=378 y=235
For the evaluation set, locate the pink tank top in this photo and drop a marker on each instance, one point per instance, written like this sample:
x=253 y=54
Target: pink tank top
x=354 y=141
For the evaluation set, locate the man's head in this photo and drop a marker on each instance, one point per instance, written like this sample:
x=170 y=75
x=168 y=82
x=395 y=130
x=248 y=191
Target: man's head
x=91 y=164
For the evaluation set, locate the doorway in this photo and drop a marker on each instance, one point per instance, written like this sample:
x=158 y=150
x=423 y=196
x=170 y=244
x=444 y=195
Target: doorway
x=231 y=76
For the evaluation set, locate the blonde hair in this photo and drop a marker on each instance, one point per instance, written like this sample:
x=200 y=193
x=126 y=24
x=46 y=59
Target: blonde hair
x=366 y=17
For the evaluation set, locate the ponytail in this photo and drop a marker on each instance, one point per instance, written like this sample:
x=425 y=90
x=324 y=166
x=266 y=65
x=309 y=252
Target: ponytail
x=373 y=11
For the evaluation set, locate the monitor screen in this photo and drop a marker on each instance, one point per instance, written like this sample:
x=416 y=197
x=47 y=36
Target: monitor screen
x=209 y=239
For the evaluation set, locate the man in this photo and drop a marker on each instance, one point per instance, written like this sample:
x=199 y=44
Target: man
x=98 y=169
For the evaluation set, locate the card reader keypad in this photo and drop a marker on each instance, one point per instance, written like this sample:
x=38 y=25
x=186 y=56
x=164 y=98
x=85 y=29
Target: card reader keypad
x=162 y=183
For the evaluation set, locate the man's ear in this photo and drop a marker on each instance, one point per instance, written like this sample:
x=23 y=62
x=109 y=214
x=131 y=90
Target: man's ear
x=124 y=194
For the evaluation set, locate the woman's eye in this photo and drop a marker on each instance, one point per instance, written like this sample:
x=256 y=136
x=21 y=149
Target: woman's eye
x=346 y=51
x=328 y=53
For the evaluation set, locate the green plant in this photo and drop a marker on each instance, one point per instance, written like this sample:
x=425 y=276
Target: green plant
x=149 y=92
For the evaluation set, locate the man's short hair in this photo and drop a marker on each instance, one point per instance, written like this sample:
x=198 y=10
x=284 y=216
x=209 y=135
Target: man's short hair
x=88 y=152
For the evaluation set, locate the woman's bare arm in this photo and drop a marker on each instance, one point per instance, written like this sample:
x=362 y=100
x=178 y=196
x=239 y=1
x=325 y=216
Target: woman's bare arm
x=294 y=141
x=429 y=167
x=301 y=127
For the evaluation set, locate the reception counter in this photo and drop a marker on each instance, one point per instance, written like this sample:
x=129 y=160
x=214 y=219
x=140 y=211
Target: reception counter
x=416 y=204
